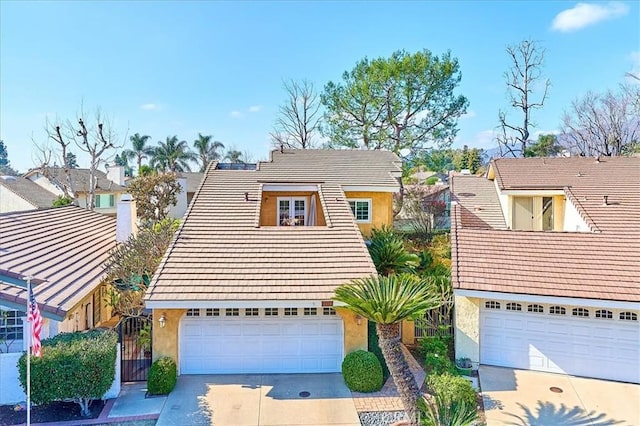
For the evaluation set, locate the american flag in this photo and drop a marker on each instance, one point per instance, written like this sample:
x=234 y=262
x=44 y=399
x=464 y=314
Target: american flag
x=35 y=319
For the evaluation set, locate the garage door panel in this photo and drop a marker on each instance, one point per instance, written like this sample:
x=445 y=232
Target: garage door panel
x=260 y=345
x=591 y=347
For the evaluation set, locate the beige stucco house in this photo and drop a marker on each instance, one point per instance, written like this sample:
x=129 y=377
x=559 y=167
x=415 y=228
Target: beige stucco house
x=545 y=266
x=247 y=284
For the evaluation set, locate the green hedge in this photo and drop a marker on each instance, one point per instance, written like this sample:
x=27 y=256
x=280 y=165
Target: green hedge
x=452 y=389
x=163 y=375
x=374 y=348
x=77 y=366
x=362 y=372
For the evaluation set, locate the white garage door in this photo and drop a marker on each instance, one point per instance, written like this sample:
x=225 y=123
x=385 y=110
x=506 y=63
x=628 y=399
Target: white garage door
x=581 y=341
x=259 y=344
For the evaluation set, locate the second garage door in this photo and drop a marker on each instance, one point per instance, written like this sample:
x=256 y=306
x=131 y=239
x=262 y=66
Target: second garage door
x=581 y=341
x=241 y=344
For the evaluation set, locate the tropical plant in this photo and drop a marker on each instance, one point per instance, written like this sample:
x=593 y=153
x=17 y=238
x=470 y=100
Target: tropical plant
x=389 y=254
x=388 y=300
x=207 y=150
x=437 y=411
x=362 y=372
x=234 y=156
x=139 y=149
x=172 y=156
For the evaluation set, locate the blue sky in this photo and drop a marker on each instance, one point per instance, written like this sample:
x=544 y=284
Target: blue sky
x=163 y=68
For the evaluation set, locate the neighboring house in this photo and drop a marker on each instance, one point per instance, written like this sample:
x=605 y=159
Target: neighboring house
x=425 y=207
x=247 y=284
x=189 y=182
x=545 y=266
x=193 y=181
x=109 y=186
x=20 y=194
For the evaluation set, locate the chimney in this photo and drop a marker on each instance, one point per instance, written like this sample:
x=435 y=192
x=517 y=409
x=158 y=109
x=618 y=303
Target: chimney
x=116 y=174
x=178 y=211
x=126 y=218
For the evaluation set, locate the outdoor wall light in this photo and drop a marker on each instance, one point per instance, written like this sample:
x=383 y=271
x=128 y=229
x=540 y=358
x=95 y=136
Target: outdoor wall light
x=162 y=320
x=358 y=320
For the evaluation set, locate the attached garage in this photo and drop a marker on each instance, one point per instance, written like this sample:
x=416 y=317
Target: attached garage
x=259 y=340
x=578 y=340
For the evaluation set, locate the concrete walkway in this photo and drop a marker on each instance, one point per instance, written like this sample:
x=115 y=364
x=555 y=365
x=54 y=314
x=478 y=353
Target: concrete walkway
x=522 y=397
x=260 y=400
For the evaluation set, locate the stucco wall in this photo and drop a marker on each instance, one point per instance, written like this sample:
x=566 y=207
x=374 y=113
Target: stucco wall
x=573 y=222
x=381 y=209
x=269 y=206
x=355 y=336
x=10 y=202
x=467 y=328
x=165 y=340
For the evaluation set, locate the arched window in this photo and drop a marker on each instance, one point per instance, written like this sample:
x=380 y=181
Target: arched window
x=603 y=313
x=580 y=312
x=628 y=316
x=535 y=308
x=491 y=304
x=512 y=306
x=557 y=310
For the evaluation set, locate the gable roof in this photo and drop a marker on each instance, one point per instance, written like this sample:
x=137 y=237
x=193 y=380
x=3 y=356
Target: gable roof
x=80 y=179
x=193 y=180
x=31 y=192
x=596 y=265
x=221 y=255
x=63 y=248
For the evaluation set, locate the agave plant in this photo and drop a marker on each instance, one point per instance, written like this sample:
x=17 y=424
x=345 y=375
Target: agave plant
x=438 y=411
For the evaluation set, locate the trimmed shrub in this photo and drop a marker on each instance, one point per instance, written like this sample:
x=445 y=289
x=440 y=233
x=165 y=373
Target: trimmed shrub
x=433 y=345
x=439 y=364
x=74 y=366
x=374 y=348
x=163 y=376
x=452 y=389
x=362 y=372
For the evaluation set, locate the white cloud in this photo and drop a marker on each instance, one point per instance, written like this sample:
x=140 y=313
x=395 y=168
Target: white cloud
x=255 y=108
x=235 y=114
x=469 y=114
x=584 y=14
x=150 y=107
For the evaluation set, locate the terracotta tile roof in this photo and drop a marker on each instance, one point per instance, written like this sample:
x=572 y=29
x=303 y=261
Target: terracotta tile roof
x=478 y=201
x=80 y=179
x=31 y=192
x=220 y=254
x=596 y=265
x=64 y=247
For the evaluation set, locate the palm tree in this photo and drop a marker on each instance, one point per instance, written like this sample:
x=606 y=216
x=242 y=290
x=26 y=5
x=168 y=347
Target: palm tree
x=234 y=156
x=207 y=150
x=172 y=156
x=388 y=300
x=139 y=149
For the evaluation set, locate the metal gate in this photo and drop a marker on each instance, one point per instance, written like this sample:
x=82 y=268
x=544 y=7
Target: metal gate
x=135 y=345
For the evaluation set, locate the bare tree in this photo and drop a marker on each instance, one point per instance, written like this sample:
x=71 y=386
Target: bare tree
x=54 y=132
x=604 y=124
x=298 y=119
x=523 y=79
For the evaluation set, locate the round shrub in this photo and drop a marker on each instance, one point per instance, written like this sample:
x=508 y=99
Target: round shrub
x=452 y=389
x=163 y=375
x=362 y=372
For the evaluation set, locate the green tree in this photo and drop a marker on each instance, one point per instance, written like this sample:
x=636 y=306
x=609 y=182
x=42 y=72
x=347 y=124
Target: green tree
x=406 y=101
x=207 y=150
x=474 y=160
x=62 y=201
x=139 y=149
x=388 y=253
x=5 y=164
x=154 y=195
x=172 y=156
x=386 y=301
x=546 y=146
x=72 y=160
x=123 y=161
x=234 y=156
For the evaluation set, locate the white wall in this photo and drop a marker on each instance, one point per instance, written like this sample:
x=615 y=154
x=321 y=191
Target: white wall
x=46 y=184
x=179 y=210
x=504 y=204
x=10 y=202
x=573 y=222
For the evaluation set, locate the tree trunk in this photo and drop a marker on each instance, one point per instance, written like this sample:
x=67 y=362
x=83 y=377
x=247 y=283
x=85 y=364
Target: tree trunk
x=389 y=341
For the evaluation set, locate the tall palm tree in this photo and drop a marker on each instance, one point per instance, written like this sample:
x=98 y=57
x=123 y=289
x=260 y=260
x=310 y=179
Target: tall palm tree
x=387 y=301
x=207 y=150
x=172 y=156
x=139 y=150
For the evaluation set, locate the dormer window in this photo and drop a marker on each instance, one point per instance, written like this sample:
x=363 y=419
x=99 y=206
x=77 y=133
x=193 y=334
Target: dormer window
x=292 y=211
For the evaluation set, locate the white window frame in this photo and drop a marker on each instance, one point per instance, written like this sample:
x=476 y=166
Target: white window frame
x=355 y=208
x=292 y=209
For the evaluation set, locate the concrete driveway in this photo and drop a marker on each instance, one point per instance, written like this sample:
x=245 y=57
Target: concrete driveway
x=264 y=400
x=523 y=398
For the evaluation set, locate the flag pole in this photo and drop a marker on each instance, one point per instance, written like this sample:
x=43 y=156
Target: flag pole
x=29 y=331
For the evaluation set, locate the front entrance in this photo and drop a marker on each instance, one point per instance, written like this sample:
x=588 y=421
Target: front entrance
x=134 y=334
